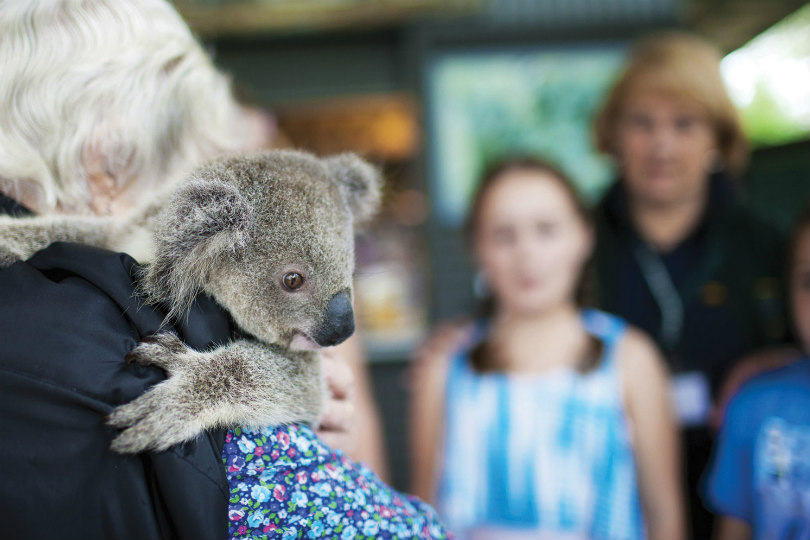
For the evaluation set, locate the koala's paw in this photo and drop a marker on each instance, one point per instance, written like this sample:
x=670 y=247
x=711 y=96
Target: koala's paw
x=155 y=421
x=164 y=350
x=9 y=256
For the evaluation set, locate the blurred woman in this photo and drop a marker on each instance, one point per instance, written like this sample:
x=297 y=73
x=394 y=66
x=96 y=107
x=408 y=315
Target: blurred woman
x=552 y=421
x=677 y=255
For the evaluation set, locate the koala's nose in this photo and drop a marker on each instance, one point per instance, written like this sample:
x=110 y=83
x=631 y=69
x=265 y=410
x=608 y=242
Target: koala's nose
x=338 y=322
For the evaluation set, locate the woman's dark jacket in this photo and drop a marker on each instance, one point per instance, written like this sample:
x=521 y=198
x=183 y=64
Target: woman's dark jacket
x=68 y=317
x=728 y=274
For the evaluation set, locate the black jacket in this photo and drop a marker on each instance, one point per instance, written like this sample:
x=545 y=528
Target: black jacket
x=728 y=274
x=68 y=317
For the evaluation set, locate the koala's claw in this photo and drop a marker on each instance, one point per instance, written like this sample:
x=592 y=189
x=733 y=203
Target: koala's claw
x=129 y=414
x=127 y=443
x=152 y=422
x=162 y=350
x=138 y=419
x=167 y=340
x=148 y=434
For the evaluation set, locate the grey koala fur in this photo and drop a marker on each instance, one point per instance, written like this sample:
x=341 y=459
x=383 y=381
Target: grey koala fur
x=22 y=237
x=232 y=230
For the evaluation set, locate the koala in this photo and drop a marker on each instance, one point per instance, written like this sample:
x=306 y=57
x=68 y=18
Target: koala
x=270 y=236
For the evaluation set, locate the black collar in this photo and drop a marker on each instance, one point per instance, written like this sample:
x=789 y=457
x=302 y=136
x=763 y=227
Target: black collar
x=722 y=196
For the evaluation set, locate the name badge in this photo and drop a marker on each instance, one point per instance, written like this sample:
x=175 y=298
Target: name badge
x=691 y=397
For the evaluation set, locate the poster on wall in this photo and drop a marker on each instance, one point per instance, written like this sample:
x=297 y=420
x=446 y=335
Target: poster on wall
x=486 y=105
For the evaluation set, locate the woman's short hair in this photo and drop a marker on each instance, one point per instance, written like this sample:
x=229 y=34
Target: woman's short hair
x=123 y=81
x=686 y=67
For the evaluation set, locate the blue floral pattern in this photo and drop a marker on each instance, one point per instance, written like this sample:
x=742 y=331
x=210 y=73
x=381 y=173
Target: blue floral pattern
x=285 y=483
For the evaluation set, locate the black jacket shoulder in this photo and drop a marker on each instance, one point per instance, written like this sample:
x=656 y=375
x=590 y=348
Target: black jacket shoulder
x=68 y=317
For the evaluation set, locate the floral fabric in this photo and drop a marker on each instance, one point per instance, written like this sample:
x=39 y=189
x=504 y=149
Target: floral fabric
x=285 y=483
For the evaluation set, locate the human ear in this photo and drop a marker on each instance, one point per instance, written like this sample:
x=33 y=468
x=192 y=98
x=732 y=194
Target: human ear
x=101 y=184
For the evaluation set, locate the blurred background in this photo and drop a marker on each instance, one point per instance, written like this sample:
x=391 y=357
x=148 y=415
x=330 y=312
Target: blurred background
x=433 y=89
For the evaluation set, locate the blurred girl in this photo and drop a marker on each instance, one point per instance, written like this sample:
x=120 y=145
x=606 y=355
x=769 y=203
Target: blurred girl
x=553 y=420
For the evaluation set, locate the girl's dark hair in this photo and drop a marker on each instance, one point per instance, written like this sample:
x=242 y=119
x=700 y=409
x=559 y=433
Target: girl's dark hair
x=483 y=356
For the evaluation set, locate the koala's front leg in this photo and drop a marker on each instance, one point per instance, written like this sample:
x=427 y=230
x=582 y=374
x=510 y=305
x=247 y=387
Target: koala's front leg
x=22 y=237
x=243 y=383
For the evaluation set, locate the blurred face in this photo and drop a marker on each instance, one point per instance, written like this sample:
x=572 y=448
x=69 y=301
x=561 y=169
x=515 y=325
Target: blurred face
x=530 y=242
x=800 y=288
x=666 y=148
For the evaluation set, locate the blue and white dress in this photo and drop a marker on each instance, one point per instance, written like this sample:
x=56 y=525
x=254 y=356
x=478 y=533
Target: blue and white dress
x=538 y=455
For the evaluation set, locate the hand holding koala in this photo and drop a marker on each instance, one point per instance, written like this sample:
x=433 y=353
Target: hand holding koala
x=270 y=237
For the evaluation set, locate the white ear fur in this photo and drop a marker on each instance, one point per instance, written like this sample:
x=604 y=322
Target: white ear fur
x=204 y=221
x=361 y=183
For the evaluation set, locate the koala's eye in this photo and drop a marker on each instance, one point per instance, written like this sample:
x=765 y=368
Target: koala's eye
x=292 y=280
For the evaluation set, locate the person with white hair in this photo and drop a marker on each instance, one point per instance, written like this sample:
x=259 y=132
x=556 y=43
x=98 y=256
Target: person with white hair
x=101 y=103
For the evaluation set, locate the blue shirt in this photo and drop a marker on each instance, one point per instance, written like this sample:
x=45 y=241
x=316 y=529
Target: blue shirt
x=761 y=467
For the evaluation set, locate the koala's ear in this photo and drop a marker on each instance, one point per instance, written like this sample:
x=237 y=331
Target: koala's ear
x=361 y=183
x=205 y=221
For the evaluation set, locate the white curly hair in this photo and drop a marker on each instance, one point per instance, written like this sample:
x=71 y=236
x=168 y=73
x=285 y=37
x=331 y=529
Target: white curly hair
x=121 y=80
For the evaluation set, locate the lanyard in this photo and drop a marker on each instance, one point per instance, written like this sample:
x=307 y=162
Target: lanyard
x=665 y=294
